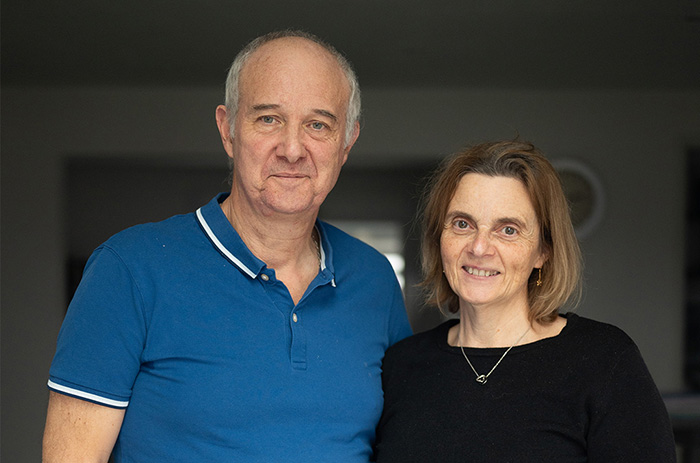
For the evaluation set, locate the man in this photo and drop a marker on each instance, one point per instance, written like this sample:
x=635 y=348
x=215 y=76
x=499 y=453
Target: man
x=249 y=330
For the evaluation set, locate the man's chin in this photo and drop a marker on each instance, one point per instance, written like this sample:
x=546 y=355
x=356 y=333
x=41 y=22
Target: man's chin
x=284 y=204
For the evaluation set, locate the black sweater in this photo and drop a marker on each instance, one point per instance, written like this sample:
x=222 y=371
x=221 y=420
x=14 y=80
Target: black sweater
x=584 y=395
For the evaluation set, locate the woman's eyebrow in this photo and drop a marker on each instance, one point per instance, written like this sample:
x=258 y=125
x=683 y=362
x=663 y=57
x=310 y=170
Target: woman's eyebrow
x=452 y=214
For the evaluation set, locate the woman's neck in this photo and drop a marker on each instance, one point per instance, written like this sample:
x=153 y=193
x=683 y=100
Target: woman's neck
x=484 y=328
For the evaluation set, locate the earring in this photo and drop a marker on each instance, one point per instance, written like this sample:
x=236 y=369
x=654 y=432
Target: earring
x=539 y=277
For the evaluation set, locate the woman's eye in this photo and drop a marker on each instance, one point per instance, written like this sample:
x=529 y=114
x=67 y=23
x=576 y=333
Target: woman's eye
x=461 y=224
x=510 y=231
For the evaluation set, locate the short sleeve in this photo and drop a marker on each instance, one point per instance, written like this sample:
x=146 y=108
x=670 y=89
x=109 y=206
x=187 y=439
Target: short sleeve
x=99 y=347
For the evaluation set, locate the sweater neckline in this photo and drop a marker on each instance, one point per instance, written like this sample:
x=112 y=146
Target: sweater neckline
x=442 y=330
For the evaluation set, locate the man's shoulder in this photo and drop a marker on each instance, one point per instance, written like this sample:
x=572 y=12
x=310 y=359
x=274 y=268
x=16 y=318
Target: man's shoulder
x=144 y=235
x=346 y=244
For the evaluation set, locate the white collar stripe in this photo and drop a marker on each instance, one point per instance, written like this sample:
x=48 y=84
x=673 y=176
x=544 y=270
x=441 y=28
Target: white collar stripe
x=323 y=260
x=220 y=246
x=321 y=251
x=88 y=396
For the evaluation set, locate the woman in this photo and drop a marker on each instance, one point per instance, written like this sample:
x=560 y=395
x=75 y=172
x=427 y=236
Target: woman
x=512 y=380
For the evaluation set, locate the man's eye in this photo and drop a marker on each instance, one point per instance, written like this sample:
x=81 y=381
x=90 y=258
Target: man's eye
x=267 y=119
x=318 y=125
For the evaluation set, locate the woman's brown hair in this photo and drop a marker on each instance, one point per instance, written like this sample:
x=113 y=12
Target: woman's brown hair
x=561 y=273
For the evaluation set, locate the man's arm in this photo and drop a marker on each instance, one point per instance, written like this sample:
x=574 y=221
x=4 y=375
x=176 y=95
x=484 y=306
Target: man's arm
x=78 y=431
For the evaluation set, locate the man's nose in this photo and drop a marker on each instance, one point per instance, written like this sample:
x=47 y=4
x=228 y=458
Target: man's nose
x=292 y=146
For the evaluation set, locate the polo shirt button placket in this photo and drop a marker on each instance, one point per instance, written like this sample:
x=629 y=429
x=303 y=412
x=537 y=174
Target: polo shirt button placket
x=295 y=318
x=264 y=277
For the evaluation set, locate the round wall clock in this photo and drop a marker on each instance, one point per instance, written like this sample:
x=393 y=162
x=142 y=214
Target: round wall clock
x=585 y=194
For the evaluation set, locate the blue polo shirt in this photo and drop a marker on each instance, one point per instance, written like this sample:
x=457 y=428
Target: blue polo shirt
x=179 y=323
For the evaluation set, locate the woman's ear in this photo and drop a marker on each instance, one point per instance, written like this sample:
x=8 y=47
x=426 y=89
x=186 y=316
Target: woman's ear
x=543 y=257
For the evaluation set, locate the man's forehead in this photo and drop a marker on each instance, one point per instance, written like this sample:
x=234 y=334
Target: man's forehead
x=285 y=68
x=284 y=44
x=289 y=50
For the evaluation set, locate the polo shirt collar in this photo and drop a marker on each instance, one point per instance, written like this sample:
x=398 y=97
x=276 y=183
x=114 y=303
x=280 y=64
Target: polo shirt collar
x=327 y=268
x=225 y=238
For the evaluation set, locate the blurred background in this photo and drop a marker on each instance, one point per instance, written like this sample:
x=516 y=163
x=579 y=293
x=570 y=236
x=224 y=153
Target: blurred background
x=108 y=121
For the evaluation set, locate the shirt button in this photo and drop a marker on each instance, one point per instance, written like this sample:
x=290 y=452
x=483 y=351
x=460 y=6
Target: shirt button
x=264 y=277
x=295 y=318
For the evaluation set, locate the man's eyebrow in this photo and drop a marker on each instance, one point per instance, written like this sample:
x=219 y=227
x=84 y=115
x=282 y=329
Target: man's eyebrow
x=268 y=106
x=264 y=107
x=328 y=114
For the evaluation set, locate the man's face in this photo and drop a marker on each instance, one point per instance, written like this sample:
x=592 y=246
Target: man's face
x=289 y=131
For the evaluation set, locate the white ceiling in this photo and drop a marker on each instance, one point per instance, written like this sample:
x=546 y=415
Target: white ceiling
x=482 y=43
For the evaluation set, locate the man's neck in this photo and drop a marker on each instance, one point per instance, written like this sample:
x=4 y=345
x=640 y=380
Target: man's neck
x=283 y=241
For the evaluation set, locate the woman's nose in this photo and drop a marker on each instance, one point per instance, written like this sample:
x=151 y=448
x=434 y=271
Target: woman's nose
x=481 y=244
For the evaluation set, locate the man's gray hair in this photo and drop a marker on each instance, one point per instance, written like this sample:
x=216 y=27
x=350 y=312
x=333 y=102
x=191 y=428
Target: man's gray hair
x=234 y=73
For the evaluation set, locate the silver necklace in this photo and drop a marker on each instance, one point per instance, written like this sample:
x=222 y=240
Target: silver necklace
x=481 y=379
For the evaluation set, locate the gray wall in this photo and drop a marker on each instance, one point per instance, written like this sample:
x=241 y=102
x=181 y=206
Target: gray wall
x=635 y=141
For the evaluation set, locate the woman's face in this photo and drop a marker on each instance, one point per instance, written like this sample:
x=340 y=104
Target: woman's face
x=490 y=243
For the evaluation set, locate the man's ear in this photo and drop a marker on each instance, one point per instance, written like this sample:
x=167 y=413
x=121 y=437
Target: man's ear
x=223 y=123
x=353 y=139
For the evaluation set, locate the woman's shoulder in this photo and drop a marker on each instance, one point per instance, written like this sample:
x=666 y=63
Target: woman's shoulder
x=595 y=333
x=422 y=341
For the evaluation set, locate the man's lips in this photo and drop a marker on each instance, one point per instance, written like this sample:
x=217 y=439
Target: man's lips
x=289 y=175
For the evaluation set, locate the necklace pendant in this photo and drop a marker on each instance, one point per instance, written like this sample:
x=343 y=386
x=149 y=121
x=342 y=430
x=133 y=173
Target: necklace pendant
x=481 y=379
